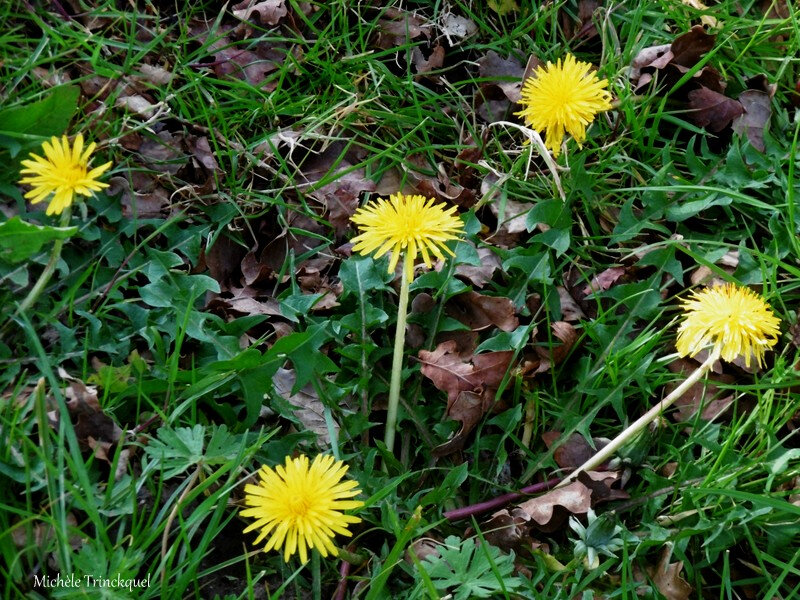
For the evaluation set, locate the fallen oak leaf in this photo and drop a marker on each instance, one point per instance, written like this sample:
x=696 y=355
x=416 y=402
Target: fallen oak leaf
x=550 y=510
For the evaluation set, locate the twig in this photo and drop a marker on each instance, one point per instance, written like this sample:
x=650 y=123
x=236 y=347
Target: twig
x=499 y=501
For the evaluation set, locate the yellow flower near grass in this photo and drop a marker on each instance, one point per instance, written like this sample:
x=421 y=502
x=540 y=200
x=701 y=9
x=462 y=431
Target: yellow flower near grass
x=62 y=173
x=563 y=97
x=300 y=506
x=413 y=225
x=734 y=320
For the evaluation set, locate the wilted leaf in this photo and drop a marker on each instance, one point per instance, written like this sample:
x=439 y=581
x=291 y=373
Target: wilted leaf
x=479 y=276
x=573 y=452
x=604 y=280
x=570 y=311
x=479 y=312
x=712 y=110
x=667 y=578
x=552 y=355
x=507 y=71
x=757 y=111
x=702 y=394
x=550 y=510
x=93 y=428
x=470 y=386
x=310 y=410
x=399 y=28
x=269 y=11
x=434 y=61
x=457 y=26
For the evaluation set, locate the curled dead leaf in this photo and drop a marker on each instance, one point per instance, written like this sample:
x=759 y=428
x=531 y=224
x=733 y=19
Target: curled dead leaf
x=310 y=410
x=480 y=312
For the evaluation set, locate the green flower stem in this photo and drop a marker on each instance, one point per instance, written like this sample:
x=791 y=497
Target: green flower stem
x=643 y=421
x=49 y=268
x=397 y=359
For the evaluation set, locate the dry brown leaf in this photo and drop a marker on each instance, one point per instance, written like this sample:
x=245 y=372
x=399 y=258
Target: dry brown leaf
x=456 y=26
x=667 y=578
x=573 y=452
x=341 y=196
x=156 y=75
x=508 y=529
x=479 y=312
x=422 y=548
x=701 y=394
x=514 y=215
x=553 y=355
x=148 y=201
x=604 y=280
x=310 y=410
x=446 y=369
x=434 y=61
x=757 y=111
x=400 y=28
x=94 y=429
x=470 y=386
x=712 y=110
x=507 y=71
x=269 y=11
x=570 y=311
x=550 y=510
x=479 y=276
x=466 y=341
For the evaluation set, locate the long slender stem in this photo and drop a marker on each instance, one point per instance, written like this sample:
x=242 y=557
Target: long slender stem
x=49 y=268
x=397 y=359
x=642 y=421
x=499 y=501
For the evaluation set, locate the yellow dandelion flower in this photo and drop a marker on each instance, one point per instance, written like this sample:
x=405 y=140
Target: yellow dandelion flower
x=734 y=320
x=410 y=224
x=301 y=505
x=563 y=97
x=62 y=173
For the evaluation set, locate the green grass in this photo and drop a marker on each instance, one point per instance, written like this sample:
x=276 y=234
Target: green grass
x=128 y=308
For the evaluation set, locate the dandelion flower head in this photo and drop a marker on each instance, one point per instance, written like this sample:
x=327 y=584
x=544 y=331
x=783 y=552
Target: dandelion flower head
x=561 y=97
x=734 y=320
x=62 y=173
x=410 y=224
x=300 y=506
